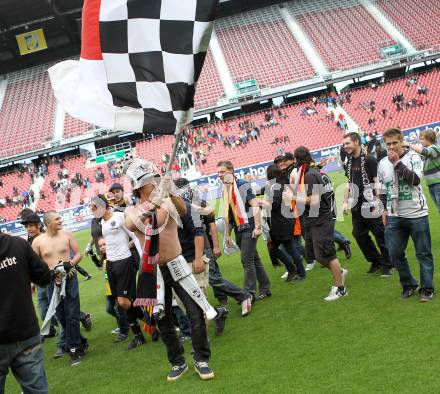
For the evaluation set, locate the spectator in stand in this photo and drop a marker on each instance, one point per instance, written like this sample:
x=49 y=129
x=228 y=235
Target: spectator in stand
x=371 y=121
x=332 y=116
x=99 y=175
x=422 y=90
x=430 y=152
x=1 y=182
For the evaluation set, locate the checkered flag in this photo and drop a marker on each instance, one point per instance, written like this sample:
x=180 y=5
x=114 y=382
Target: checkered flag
x=139 y=66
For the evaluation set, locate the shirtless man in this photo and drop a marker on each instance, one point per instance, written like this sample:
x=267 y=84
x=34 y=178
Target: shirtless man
x=55 y=246
x=145 y=180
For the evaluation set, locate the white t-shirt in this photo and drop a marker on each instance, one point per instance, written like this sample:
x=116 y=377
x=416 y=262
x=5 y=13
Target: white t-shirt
x=403 y=199
x=117 y=237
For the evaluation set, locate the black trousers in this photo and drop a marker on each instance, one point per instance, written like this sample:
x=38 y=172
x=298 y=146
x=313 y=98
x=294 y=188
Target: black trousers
x=167 y=330
x=222 y=287
x=361 y=232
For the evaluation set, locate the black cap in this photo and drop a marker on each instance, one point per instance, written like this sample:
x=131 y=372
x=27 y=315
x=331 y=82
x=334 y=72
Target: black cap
x=288 y=156
x=30 y=217
x=181 y=182
x=278 y=159
x=116 y=186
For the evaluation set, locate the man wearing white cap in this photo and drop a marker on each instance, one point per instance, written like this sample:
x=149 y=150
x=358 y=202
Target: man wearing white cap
x=154 y=221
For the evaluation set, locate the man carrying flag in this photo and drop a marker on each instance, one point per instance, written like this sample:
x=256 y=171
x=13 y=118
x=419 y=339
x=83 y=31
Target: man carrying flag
x=154 y=222
x=139 y=66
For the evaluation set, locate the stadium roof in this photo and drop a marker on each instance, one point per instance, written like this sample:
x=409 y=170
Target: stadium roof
x=60 y=21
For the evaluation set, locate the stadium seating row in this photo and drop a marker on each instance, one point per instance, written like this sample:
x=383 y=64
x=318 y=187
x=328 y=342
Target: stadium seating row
x=256 y=45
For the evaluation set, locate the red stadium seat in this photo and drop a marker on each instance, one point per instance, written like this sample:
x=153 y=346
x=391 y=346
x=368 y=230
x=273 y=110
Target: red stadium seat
x=383 y=98
x=417 y=20
x=258 y=45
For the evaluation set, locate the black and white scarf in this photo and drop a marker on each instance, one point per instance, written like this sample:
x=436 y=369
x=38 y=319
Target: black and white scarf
x=368 y=194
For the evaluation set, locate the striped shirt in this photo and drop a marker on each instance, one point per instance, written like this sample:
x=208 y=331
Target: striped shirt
x=431 y=164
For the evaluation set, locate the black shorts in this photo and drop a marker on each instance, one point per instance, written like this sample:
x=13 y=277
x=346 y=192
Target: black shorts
x=320 y=245
x=122 y=278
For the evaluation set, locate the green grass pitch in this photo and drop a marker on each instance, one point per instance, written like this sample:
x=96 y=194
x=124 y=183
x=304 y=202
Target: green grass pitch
x=370 y=341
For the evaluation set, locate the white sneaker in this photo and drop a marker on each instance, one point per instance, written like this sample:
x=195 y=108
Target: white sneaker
x=115 y=330
x=246 y=306
x=344 y=273
x=335 y=294
x=284 y=276
x=310 y=266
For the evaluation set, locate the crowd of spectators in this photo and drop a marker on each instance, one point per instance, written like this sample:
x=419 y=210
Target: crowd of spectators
x=398 y=100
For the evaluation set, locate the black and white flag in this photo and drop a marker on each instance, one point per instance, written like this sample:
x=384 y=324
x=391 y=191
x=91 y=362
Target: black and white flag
x=139 y=66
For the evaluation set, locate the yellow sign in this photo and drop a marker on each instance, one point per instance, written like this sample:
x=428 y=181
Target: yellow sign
x=31 y=41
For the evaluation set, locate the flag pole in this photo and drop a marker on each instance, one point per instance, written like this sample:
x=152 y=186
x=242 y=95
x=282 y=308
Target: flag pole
x=172 y=158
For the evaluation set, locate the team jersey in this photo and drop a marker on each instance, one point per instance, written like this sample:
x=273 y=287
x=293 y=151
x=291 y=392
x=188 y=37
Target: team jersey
x=329 y=189
x=402 y=199
x=116 y=237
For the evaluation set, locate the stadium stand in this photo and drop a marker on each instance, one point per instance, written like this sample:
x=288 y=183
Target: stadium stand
x=352 y=38
x=209 y=87
x=312 y=130
x=70 y=194
x=74 y=127
x=258 y=45
x=418 y=20
x=21 y=182
x=28 y=112
x=279 y=130
x=383 y=98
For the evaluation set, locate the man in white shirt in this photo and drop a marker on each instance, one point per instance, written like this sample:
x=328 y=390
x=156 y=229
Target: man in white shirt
x=121 y=268
x=406 y=214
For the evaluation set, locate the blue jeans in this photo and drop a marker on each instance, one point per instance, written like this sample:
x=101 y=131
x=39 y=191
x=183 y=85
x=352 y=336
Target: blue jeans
x=291 y=258
x=25 y=359
x=42 y=301
x=113 y=308
x=397 y=233
x=68 y=312
x=434 y=191
x=339 y=238
x=300 y=248
x=182 y=321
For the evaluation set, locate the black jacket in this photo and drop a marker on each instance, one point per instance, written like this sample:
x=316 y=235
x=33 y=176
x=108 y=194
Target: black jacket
x=281 y=221
x=192 y=227
x=19 y=266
